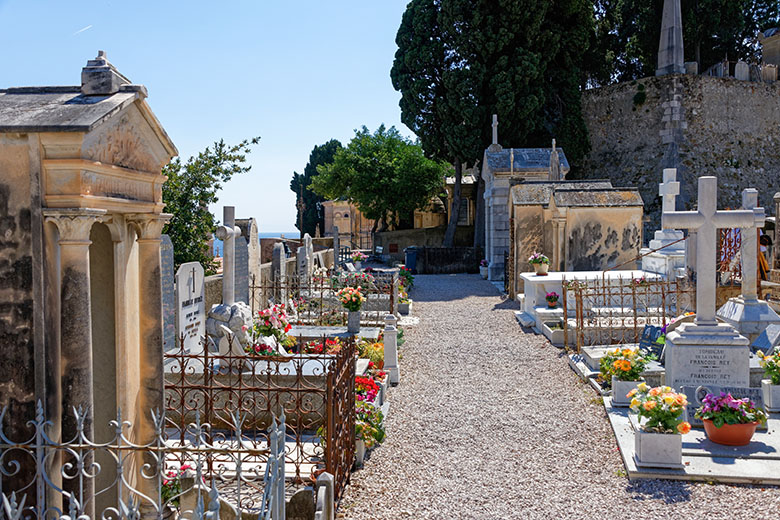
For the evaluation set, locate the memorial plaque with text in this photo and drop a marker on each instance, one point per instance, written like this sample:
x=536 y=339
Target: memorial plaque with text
x=190 y=306
x=242 y=270
x=694 y=365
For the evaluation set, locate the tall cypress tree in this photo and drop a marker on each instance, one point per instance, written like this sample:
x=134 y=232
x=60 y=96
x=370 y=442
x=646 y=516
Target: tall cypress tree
x=307 y=202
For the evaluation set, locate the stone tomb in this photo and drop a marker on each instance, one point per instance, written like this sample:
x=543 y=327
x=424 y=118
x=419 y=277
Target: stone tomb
x=82 y=198
x=708 y=352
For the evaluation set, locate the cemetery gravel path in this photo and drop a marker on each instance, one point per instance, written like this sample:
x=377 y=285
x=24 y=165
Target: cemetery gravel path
x=489 y=422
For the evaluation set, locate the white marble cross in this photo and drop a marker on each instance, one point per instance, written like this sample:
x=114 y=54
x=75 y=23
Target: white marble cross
x=706 y=221
x=669 y=191
x=228 y=232
x=749 y=249
x=495 y=128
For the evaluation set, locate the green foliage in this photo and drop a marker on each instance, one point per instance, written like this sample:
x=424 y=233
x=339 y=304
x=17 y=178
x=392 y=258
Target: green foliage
x=321 y=154
x=640 y=98
x=383 y=173
x=188 y=192
x=625 y=42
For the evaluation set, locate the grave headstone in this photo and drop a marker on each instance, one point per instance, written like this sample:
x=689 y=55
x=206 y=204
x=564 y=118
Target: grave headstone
x=707 y=352
x=669 y=251
x=742 y=71
x=242 y=270
x=190 y=306
x=696 y=394
x=350 y=267
x=168 y=293
x=767 y=340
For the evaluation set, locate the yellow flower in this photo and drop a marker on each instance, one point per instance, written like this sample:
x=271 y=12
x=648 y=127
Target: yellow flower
x=628 y=352
x=669 y=399
x=642 y=387
x=634 y=404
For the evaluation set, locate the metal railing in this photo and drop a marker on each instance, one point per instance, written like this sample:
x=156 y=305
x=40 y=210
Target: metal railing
x=315 y=393
x=43 y=477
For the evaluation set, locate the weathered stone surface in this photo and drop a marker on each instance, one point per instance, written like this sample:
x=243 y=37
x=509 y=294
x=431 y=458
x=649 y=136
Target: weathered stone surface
x=242 y=270
x=168 y=292
x=301 y=505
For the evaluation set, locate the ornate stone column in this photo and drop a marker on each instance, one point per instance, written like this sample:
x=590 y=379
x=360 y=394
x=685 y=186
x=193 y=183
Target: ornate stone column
x=149 y=228
x=151 y=394
x=74 y=226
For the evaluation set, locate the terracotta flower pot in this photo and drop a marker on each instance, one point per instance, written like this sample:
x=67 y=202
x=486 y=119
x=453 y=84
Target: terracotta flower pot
x=541 y=269
x=730 y=434
x=552 y=305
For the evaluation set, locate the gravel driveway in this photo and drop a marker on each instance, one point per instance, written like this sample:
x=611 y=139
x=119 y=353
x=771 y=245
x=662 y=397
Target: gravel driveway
x=490 y=422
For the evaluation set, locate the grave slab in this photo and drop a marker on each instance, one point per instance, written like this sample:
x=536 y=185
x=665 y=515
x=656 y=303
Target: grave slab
x=767 y=340
x=757 y=463
x=312 y=332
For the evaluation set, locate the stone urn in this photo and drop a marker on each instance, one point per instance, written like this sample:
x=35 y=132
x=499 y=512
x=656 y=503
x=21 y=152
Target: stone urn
x=359 y=265
x=771 y=394
x=620 y=389
x=483 y=271
x=657 y=450
x=541 y=269
x=353 y=322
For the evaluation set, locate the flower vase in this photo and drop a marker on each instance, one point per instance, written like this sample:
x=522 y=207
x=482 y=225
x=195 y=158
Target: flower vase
x=619 y=390
x=541 y=269
x=483 y=272
x=353 y=322
x=730 y=434
x=657 y=450
x=359 y=265
x=771 y=394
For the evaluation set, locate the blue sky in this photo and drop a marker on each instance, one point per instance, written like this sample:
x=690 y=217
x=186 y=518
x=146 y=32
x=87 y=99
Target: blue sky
x=296 y=73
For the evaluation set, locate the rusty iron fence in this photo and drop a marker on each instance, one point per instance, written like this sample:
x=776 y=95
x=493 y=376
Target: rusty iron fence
x=729 y=259
x=236 y=392
x=614 y=311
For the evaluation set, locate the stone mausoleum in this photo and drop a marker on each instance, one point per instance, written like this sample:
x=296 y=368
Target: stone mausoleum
x=81 y=203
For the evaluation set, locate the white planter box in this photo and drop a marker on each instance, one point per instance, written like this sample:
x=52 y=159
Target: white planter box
x=771 y=395
x=657 y=450
x=619 y=391
x=555 y=335
x=360 y=453
x=483 y=272
x=405 y=308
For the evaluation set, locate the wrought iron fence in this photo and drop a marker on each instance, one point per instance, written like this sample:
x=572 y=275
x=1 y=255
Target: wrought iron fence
x=79 y=478
x=315 y=392
x=614 y=311
x=314 y=300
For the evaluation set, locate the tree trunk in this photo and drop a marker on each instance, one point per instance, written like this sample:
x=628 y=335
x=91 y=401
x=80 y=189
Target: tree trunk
x=479 y=217
x=449 y=236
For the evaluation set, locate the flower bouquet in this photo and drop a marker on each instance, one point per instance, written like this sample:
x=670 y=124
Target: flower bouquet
x=658 y=442
x=351 y=298
x=407 y=279
x=540 y=263
x=366 y=389
x=269 y=331
x=357 y=256
x=552 y=299
x=728 y=420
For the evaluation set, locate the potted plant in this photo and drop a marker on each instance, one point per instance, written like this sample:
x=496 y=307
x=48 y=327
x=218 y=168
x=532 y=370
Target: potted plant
x=358 y=258
x=404 y=302
x=540 y=263
x=552 y=299
x=729 y=421
x=369 y=429
x=658 y=441
x=770 y=388
x=483 y=268
x=352 y=299
x=624 y=367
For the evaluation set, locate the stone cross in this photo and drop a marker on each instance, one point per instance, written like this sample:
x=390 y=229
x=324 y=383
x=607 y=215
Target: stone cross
x=495 y=128
x=669 y=191
x=228 y=232
x=749 y=248
x=706 y=221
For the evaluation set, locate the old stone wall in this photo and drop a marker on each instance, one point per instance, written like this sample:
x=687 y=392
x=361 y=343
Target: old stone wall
x=599 y=239
x=700 y=125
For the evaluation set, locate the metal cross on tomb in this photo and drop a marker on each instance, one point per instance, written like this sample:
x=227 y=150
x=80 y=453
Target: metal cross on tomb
x=192 y=282
x=669 y=191
x=228 y=233
x=706 y=221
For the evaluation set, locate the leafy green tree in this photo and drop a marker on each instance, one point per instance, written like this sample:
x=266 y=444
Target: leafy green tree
x=384 y=174
x=189 y=190
x=460 y=61
x=306 y=200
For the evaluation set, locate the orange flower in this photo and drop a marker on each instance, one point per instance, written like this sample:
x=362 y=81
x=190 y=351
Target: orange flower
x=632 y=393
x=654 y=391
x=684 y=427
x=681 y=400
x=649 y=405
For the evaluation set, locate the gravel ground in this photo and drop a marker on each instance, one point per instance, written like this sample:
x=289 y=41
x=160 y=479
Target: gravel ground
x=490 y=422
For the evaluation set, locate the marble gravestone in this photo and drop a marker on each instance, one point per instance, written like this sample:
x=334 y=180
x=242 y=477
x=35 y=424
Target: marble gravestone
x=706 y=352
x=190 y=307
x=168 y=293
x=667 y=249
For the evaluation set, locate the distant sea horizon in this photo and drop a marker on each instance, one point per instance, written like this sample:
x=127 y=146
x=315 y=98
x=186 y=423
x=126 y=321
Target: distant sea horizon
x=269 y=234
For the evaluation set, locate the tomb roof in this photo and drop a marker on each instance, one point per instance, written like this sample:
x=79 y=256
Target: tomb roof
x=533 y=193
x=598 y=197
x=60 y=109
x=525 y=160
